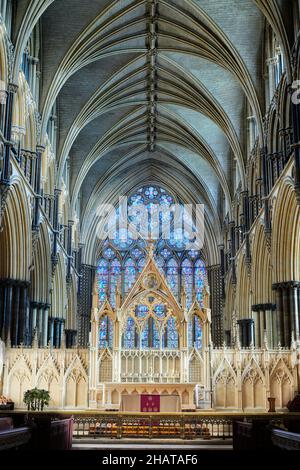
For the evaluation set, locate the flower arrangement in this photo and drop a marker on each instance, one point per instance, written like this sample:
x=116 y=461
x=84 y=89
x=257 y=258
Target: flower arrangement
x=36 y=399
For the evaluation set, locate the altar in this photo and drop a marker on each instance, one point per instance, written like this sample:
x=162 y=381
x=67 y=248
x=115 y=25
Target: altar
x=127 y=397
x=148 y=403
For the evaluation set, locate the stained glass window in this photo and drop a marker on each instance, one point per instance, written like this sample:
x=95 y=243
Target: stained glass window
x=129 y=274
x=195 y=332
x=150 y=337
x=198 y=332
x=145 y=335
x=187 y=280
x=141 y=264
x=103 y=273
x=122 y=261
x=200 y=278
x=115 y=280
x=172 y=275
x=160 y=311
x=130 y=340
x=106 y=332
x=170 y=337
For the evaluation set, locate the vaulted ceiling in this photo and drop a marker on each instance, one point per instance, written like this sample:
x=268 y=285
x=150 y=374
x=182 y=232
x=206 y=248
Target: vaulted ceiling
x=153 y=91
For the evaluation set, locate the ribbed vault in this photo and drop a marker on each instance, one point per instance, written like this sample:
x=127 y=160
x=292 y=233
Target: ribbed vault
x=155 y=90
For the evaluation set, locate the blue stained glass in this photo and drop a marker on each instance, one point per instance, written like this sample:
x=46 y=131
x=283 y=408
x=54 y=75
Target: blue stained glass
x=145 y=336
x=172 y=275
x=160 y=311
x=141 y=264
x=129 y=334
x=198 y=332
x=136 y=200
x=141 y=311
x=115 y=280
x=130 y=274
x=187 y=280
x=156 y=336
x=151 y=192
x=200 y=278
x=102 y=279
x=106 y=333
x=170 y=337
x=165 y=253
x=166 y=200
x=161 y=264
x=150 y=335
x=191 y=272
x=195 y=332
x=136 y=253
x=109 y=253
x=122 y=240
x=191 y=333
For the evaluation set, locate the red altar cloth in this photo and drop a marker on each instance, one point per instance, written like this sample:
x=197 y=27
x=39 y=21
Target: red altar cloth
x=150 y=403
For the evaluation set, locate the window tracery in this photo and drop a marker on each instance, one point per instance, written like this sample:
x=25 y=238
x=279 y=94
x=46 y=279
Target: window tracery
x=123 y=260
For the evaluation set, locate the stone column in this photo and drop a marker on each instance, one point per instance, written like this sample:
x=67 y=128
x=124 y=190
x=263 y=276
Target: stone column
x=270 y=316
x=286 y=316
x=5 y=176
x=33 y=319
x=296 y=146
x=279 y=309
x=246 y=327
x=70 y=338
x=61 y=331
x=45 y=326
x=6 y=312
x=69 y=250
x=56 y=332
x=51 y=331
x=276 y=332
x=294 y=293
x=16 y=313
x=22 y=336
x=54 y=258
x=37 y=187
x=40 y=323
x=262 y=320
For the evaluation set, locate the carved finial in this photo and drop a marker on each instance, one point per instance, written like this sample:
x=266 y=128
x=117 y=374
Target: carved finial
x=206 y=296
x=151 y=248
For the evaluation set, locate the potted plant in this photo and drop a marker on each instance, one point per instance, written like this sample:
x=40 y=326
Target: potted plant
x=36 y=399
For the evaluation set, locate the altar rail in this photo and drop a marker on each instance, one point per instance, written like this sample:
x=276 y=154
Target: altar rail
x=178 y=425
x=194 y=425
